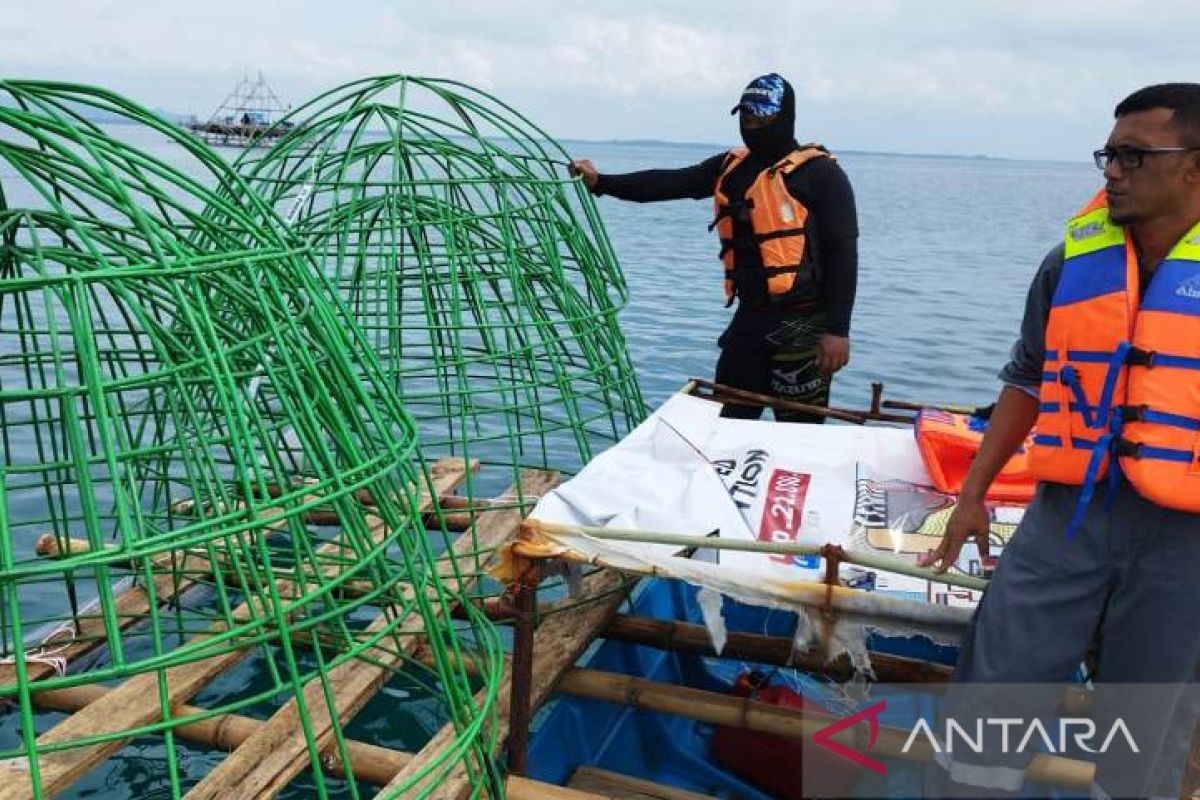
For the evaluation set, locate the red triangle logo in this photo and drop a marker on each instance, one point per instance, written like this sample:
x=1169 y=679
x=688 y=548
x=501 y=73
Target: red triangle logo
x=871 y=714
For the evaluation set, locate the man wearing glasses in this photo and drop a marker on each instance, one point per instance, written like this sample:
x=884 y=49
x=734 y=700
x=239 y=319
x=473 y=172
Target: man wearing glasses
x=1107 y=373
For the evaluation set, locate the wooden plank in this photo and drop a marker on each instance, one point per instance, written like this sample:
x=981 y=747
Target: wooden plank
x=557 y=645
x=266 y=763
x=625 y=787
x=127 y=707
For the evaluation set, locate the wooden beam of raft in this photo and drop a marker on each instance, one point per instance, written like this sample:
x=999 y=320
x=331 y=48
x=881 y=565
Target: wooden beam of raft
x=127 y=708
x=267 y=762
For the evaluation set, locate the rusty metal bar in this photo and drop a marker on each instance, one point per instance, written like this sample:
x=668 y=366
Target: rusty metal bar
x=520 y=710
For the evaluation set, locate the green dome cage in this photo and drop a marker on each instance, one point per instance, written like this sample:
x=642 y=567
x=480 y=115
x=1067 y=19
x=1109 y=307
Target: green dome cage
x=480 y=273
x=226 y=495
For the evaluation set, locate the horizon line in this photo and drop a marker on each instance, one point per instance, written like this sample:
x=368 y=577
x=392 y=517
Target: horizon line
x=852 y=151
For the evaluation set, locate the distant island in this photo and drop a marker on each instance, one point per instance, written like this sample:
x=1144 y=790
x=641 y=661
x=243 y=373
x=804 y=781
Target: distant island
x=711 y=145
x=182 y=119
x=93 y=114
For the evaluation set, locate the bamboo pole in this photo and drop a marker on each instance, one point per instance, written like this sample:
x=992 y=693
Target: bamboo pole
x=832 y=603
x=901 y=405
x=196 y=564
x=458 y=513
x=525 y=789
x=867 y=560
x=371 y=763
x=681 y=637
x=743 y=713
x=226 y=731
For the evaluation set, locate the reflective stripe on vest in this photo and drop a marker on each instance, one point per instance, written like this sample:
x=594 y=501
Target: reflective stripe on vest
x=776 y=218
x=1122 y=376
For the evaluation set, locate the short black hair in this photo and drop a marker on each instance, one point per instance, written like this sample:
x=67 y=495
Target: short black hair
x=1182 y=98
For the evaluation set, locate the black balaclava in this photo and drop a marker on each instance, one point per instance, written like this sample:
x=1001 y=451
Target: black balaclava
x=766 y=95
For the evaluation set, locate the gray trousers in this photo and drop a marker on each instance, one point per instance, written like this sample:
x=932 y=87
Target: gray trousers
x=1130 y=576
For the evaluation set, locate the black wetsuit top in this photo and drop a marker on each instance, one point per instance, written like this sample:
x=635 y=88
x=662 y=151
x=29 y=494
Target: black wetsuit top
x=820 y=185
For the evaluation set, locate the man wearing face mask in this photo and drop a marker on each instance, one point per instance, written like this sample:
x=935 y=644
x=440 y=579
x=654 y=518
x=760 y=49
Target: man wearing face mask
x=788 y=228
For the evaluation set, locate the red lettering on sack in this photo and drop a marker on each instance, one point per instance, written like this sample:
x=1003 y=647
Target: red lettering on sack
x=783 y=509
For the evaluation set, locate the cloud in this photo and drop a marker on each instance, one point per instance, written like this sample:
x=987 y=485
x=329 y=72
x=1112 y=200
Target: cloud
x=1011 y=78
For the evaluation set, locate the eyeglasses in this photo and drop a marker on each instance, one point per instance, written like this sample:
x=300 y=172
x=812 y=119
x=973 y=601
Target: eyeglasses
x=1130 y=157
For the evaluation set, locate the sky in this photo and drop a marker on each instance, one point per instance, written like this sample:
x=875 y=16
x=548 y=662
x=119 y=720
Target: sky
x=1018 y=79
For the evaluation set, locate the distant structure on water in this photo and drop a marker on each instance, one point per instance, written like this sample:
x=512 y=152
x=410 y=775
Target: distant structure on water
x=247 y=117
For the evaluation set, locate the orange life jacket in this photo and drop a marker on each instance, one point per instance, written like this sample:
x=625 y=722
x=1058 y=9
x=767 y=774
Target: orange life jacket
x=948 y=443
x=1122 y=375
x=777 y=220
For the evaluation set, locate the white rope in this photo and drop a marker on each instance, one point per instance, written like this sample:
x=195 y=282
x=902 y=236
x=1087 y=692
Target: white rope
x=43 y=653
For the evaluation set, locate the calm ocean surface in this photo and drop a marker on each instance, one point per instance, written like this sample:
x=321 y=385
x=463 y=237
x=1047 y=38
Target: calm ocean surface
x=946 y=252
x=947 y=249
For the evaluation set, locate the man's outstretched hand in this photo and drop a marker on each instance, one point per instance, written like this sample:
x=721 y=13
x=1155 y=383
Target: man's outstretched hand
x=968 y=520
x=583 y=168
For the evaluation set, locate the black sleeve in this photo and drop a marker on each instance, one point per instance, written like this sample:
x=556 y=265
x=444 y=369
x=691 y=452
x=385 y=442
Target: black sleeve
x=834 y=218
x=697 y=181
x=1024 y=369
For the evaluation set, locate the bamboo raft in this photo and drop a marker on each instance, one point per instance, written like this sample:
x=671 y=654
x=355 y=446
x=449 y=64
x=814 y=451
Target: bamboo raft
x=264 y=756
x=548 y=640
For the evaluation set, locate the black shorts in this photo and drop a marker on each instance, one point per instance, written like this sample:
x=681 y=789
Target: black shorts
x=783 y=363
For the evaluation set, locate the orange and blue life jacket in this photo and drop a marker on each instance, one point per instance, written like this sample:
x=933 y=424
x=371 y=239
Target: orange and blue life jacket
x=777 y=222
x=1122 y=370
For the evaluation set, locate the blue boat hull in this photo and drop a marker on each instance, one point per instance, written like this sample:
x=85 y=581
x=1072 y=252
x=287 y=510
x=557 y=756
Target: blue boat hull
x=663 y=748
